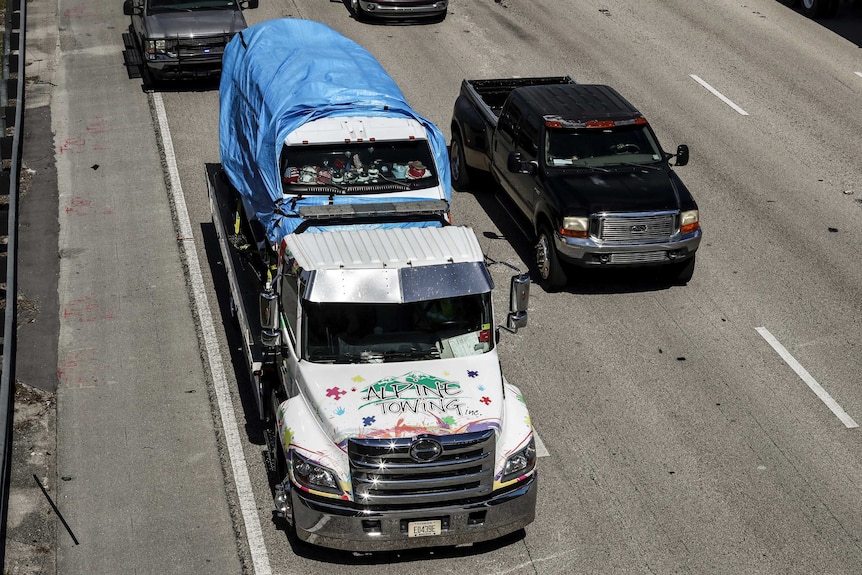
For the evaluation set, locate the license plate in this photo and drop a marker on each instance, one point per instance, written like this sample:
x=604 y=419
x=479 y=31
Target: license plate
x=424 y=528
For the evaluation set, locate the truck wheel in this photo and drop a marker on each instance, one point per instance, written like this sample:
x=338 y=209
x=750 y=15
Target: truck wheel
x=356 y=10
x=551 y=272
x=682 y=273
x=819 y=8
x=458 y=165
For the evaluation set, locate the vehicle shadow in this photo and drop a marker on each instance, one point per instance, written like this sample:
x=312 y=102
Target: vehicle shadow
x=847 y=21
x=517 y=231
x=254 y=427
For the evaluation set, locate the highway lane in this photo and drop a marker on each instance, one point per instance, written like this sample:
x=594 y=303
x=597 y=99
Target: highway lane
x=679 y=440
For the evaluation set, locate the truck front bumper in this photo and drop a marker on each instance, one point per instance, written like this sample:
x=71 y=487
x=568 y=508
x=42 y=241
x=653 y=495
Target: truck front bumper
x=339 y=526
x=205 y=67
x=588 y=252
x=390 y=9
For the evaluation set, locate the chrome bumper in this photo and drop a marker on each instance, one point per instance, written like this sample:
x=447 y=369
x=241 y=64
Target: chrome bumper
x=403 y=9
x=588 y=252
x=338 y=526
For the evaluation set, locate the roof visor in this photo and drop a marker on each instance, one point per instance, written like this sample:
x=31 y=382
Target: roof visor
x=559 y=122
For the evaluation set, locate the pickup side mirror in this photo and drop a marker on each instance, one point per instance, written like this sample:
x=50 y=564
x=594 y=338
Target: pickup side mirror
x=128 y=8
x=515 y=163
x=681 y=155
x=252 y=4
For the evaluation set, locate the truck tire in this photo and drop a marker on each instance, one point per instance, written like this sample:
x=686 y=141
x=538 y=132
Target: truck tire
x=458 y=164
x=682 y=273
x=552 y=276
x=819 y=8
x=356 y=10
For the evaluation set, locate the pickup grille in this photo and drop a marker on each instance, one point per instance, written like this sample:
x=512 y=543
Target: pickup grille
x=385 y=476
x=206 y=46
x=638 y=228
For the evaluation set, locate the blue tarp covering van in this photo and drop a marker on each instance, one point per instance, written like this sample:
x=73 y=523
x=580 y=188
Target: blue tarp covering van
x=281 y=74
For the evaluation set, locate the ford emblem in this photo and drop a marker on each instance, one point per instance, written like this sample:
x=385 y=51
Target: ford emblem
x=425 y=450
x=639 y=228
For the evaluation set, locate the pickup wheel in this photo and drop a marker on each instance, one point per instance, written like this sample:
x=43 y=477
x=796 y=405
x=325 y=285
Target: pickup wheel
x=551 y=273
x=819 y=8
x=458 y=164
x=682 y=273
x=356 y=9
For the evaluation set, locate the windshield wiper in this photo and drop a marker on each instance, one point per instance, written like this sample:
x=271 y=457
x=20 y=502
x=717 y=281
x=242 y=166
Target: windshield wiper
x=430 y=353
x=636 y=165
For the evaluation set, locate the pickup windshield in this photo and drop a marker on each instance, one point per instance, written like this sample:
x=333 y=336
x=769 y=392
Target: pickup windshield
x=357 y=168
x=376 y=333
x=594 y=147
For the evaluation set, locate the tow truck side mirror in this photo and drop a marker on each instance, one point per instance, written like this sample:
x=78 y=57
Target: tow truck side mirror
x=252 y=4
x=128 y=8
x=269 y=318
x=681 y=155
x=519 y=301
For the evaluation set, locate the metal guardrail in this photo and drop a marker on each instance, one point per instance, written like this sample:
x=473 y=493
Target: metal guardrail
x=12 y=108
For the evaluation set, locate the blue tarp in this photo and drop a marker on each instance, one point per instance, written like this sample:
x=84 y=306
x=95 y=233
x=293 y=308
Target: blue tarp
x=280 y=74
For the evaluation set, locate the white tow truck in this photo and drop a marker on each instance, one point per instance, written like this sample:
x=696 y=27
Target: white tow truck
x=367 y=320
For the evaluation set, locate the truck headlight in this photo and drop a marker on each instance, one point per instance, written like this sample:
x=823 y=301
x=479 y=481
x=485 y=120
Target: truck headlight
x=689 y=221
x=575 y=227
x=521 y=462
x=314 y=476
x=161 y=47
x=155 y=46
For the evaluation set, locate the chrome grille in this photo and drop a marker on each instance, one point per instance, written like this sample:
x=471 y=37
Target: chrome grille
x=385 y=475
x=635 y=227
x=638 y=257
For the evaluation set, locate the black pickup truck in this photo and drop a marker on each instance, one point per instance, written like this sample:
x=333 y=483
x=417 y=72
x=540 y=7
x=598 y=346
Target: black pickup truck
x=585 y=169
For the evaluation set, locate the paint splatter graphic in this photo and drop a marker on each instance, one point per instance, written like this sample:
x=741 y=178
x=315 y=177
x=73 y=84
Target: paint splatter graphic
x=472 y=373
x=367 y=421
x=335 y=393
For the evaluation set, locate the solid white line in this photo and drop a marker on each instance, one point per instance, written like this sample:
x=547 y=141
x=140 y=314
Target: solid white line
x=858 y=74
x=718 y=94
x=806 y=377
x=245 y=495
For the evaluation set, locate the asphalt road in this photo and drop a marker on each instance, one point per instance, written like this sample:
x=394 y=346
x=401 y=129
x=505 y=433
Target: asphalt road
x=709 y=428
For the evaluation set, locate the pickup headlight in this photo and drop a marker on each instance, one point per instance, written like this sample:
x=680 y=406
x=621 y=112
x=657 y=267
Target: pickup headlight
x=520 y=463
x=575 y=227
x=161 y=47
x=689 y=221
x=314 y=476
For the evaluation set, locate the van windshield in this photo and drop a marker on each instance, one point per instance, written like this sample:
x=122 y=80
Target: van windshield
x=392 y=332
x=357 y=168
x=594 y=147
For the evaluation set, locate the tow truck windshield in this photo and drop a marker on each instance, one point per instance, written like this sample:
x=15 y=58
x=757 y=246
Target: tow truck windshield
x=376 y=333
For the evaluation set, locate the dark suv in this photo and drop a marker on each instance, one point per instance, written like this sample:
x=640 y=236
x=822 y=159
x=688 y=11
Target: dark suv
x=182 y=38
